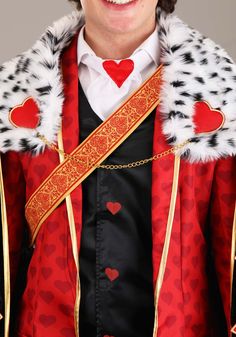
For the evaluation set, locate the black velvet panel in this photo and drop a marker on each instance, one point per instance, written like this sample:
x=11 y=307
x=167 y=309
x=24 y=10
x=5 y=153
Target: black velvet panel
x=116 y=249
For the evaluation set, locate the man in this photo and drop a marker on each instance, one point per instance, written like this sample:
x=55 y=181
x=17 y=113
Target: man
x=133 y=231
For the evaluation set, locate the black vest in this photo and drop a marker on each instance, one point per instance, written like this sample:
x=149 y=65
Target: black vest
x=117 y=297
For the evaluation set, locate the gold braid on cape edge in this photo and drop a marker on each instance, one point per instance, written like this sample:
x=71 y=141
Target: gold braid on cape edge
x=111 y=166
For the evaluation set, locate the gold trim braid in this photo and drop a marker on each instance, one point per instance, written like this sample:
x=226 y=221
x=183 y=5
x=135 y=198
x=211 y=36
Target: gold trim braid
x=6 y=257
x=233 y=250
x=73 y=235
x=166 y=247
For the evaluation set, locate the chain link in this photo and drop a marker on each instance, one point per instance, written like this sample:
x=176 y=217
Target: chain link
x=113 y=166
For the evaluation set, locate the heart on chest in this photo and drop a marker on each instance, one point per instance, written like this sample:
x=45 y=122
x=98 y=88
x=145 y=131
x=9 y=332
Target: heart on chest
x=113 y=207
x=119 y=72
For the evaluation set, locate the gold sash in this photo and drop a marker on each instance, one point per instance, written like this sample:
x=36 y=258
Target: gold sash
x=92 y=152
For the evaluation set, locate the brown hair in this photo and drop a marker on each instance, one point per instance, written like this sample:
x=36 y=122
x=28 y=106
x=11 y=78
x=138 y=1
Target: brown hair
x=167 y=5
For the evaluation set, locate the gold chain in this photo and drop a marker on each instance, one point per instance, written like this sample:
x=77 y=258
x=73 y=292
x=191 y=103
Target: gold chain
x=111 y=166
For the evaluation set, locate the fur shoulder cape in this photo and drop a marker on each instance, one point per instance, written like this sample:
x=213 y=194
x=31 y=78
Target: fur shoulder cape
x=195 y=69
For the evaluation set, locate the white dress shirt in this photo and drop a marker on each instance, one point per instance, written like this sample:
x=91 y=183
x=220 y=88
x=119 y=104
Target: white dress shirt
x=103 y=95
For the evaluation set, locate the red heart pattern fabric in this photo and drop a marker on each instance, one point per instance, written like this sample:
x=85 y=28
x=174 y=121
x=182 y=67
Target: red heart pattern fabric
x=25 y=115
x=113 y=207
x=207 y=119
x=119 y=72
x=112 y=274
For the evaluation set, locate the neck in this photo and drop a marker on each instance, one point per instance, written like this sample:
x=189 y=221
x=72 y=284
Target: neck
x=116 y=46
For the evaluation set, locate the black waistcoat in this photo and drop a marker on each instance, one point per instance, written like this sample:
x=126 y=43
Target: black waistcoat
x=116 y=245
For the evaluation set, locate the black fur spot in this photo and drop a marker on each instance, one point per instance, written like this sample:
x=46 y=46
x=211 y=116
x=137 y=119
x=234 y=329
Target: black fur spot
x=6 y=95
x=186 y=154
x=4 y=129
x=25 y=145
x=11 y=77
x=7 y=143
x=176 y=47
x=26 y=65
x=195 y=140
x=198 y=96
x=178 y=114
x=231 y=142
x=227 y=90
x=214 y=92
x=188 y=126
x=177 y=84
x=44 y=90
x=187 y=58
x=172 y=140
x=204 y=61
x=213 y=75
x=16 y=88
x=179 y=102
x=213 y=141
x=2 y=68
x=162 y=31
x=185 y=94
x=2 y=107
x=186 y=72
x=200 y=79
x=227 y=69
x=227 y=60
x=34 y=76
x=48 y=65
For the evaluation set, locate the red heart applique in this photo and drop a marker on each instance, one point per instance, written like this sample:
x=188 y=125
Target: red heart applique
x=113 y=207
x=112 y=274
x=207 y=119
x=119 y=72
x=25 y=115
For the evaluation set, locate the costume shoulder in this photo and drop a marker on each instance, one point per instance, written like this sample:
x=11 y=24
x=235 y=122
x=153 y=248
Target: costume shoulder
x=31 y=84
x=198 y=92
x=198 y=95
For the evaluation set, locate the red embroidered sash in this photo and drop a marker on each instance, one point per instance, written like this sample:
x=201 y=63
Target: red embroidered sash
x=92 y=152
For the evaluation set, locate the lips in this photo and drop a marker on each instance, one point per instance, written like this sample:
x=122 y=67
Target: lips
x=119 y=2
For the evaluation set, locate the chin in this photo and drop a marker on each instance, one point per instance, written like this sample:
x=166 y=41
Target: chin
x=121 y=25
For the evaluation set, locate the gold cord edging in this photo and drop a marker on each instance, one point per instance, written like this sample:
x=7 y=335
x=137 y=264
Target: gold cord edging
x=166 y=246
x=6 y=257
x=73 y=235
x=233 y=250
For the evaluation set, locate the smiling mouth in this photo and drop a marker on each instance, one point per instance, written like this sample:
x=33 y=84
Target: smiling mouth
x=119 y=2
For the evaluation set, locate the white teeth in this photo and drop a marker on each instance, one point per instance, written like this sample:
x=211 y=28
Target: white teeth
x=119 y=2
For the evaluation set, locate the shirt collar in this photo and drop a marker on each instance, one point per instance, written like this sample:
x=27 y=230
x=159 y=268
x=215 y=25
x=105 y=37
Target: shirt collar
x=151 y=46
